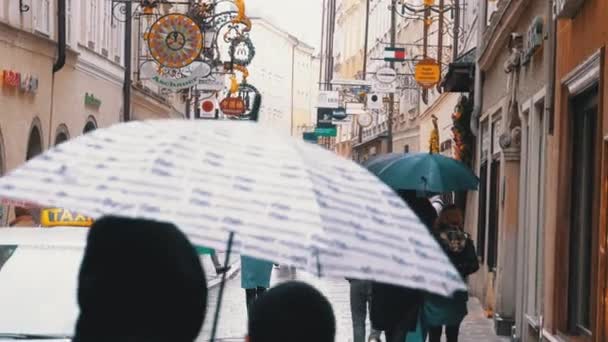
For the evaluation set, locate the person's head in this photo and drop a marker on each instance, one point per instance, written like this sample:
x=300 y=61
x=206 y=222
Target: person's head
x=294 y=312
x=139 y=281
x=451 y=216
x=420 y=205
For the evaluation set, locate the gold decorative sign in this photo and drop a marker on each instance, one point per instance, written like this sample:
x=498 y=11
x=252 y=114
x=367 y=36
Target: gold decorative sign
x=175 y=40
x=427 y=73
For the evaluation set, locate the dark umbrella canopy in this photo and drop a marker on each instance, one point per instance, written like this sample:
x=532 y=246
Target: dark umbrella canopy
x=430 y=173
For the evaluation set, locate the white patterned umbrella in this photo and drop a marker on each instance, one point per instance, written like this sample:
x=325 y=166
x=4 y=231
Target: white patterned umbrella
x=287 y=201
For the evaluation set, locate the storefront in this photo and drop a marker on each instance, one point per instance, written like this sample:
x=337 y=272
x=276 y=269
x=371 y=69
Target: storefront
x=576 y=225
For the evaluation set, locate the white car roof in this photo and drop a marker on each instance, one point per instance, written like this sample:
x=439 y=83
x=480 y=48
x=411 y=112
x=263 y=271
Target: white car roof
x=60 y=237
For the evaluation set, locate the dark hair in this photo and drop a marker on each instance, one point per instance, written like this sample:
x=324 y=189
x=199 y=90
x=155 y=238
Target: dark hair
x=139 y=281
x=421 y=206
x=294 y=312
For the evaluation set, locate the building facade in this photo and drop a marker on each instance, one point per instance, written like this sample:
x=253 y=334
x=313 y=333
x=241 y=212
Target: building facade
x=575 y=224
x=285 y=71
x=41 y=108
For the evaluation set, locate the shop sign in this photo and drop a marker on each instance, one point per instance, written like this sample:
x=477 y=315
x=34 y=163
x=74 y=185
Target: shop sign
x=24 y=82
x=211 y=83
x=329 y=99
x=56 y=217
x=326 y=132
x=203 y=70
x=91 y=101
x=325 y=117
x=386 y=75
x=427 y=73
x=233 y=106
x=384 y=88
x=310 y=137
x=392 y=54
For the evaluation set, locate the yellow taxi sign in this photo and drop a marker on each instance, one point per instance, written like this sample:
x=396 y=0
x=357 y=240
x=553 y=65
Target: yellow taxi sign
x=56 y=217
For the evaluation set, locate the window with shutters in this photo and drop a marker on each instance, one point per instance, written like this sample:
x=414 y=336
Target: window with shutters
x=92 y=23
x=68 y=23
x=106 y=8
x=41 y=16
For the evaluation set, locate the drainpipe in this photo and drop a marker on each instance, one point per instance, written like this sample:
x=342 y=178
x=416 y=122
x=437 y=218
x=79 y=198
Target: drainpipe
x=481 y=27
x=126 y=90
x=61 y=36
x=59 y=63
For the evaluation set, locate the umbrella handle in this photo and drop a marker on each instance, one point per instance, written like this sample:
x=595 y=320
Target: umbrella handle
x=222 y=285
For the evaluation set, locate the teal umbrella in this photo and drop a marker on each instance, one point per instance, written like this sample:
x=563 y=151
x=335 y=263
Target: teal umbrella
x=377 y=163
x=425 y=172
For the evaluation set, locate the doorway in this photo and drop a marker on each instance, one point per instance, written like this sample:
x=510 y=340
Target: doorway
x=34 y=145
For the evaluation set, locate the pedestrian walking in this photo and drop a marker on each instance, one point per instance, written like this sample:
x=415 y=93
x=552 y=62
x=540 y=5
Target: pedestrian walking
x=441 y=312
x=294 y=312
x=395 y=309
x=360 y=302
x=255 y=278
x=139 y=281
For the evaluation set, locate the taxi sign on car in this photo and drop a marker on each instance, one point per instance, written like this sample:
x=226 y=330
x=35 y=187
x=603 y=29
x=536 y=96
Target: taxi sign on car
x=57 y=217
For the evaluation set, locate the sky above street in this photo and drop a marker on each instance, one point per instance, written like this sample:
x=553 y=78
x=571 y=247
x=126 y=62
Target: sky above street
x=301 y=18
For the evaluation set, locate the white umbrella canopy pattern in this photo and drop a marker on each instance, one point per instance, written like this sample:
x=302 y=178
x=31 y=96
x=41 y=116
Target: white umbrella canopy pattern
x=287 y=201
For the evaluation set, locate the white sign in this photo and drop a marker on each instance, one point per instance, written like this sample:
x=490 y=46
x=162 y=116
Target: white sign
x=347 y=121
x=211 y=83
x=329 y=99
x=386 y=75
x=365 y=120
x=380 y=87
x=202 y=70
x=352 y=83
x=374 y=101
x=355 y=108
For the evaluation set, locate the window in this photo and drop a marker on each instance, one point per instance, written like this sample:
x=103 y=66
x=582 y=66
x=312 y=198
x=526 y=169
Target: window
x=481 y=213
x=68 y=18
x=105 y=28
x=584 y=131
x=41 y=16
x=91 y=24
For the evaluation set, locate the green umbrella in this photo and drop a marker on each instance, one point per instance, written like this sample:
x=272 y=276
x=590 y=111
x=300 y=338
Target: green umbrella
x=425 y=172
x=377 y=163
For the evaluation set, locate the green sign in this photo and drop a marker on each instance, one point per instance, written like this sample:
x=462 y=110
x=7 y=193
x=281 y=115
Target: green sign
x=91 y=100
x=326 y=132
x=310 y=137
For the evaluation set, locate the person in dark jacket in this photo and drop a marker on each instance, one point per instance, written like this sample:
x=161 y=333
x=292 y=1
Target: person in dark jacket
x=440 y=312
x=394 y=309
x=292 y=312
x=139 y=281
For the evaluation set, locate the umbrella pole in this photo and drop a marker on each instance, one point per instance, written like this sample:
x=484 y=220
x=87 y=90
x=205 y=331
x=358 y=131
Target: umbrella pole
x=222 y=285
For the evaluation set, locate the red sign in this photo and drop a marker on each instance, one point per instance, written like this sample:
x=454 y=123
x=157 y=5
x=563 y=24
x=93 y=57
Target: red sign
x=11 y=78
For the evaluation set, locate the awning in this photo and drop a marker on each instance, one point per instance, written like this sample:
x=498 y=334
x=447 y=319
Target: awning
x=460 y=77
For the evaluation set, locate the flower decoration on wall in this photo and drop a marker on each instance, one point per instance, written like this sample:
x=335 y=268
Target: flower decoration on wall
x=463 y=137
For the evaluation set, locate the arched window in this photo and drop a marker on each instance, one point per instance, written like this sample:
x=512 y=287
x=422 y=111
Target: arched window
x=91 y=125
x=61 y=134
x=34 y=144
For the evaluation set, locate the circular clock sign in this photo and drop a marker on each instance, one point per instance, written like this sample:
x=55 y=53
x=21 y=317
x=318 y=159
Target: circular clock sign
x=175 y=40
x=365 y=120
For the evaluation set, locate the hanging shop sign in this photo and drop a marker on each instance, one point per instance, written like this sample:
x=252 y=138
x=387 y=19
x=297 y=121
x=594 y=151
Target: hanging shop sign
x=328 y=99
x=310 y=137
x=429 y=2
x=56 y=217
x=365 y=120
x=173 y=83
x=91 y=101
x=242 y=51
x=211 y=83
x=208 y=108
x=427 y=73
x=326 y=132
x=233 y=106
x=325 y=117
x=175 y=40
x=392 y=54
x=384 y=88
x=386 y=75
x=26 y=83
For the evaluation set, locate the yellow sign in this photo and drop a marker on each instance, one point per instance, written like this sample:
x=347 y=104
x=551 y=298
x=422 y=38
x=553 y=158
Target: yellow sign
x=55 y=217
x=427 y=73
x=429 y=2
